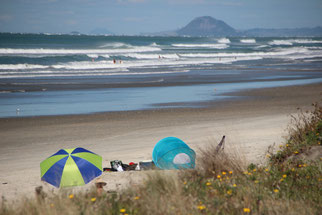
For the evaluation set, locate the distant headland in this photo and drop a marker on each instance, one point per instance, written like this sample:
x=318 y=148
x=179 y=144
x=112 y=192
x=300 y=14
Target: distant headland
x=209 y=26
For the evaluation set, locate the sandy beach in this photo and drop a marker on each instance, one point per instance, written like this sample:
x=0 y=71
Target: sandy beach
x=252 y=123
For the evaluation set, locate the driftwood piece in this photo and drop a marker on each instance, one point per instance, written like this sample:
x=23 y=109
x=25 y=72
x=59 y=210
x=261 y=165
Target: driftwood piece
x=99 y=186
x=40 y=194
x=221 y=145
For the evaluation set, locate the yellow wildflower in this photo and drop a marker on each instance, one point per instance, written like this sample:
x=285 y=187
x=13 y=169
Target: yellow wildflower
x=276 y=190
x=185 y=183
x=293 y=169
x=245 y=172
x=284 y=176
x=122 y=210
x=201 y=207
x=230 y=172
x=266 y=170
x=256 y=182
x=93 y=199
x=319 y=143
x=249 y=173
x=224 y=173
x=246 y=210
x=234 y=185
x=137 y=197
x=281 y=179
x=268 y=156
x=304 y=165
x=229 y=192
x=281 y=146
x=208 y=183
x=71 y=196
x=296 y=152
x=287 y=145
x=218 y=176
x=300 y=165
x=254 y=170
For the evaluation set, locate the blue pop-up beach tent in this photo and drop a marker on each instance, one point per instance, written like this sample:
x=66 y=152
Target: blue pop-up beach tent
x=173 y=153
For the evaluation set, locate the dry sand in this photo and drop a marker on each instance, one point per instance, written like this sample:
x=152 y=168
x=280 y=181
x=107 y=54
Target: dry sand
x=252 y=124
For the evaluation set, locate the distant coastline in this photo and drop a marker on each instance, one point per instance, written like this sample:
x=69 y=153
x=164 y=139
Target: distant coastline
x=205 y=26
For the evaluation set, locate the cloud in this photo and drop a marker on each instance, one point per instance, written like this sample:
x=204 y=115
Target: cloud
x=206 y=2
x=71 y=22
x=231 y=3
x=131 y=1
x=187 y=2
x=133 y=19
x=5 y=18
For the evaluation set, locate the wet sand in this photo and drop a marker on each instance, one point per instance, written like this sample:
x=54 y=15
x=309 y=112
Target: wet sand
x=251 y=123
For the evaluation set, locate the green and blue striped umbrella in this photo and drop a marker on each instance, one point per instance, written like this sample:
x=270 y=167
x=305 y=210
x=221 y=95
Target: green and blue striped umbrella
x=71 y=167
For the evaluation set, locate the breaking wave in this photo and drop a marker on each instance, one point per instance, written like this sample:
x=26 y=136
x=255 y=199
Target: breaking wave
x=21 y=66
x=298 y=41
x=223 y=40
x=10 y=51
x=281 y=42
x=204 y=45
x=115 y=45
x=152 y=56
x=85 y=73
x=248 y=41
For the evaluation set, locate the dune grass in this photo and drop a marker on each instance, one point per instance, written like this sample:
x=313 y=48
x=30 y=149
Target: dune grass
x=290 y=183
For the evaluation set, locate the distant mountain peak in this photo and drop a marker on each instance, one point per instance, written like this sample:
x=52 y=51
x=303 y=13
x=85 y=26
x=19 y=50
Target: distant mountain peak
x=207 y=26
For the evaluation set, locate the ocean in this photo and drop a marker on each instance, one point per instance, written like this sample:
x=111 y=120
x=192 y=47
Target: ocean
x=43 y=74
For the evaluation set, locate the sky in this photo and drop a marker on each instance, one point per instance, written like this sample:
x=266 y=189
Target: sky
x=145 y=16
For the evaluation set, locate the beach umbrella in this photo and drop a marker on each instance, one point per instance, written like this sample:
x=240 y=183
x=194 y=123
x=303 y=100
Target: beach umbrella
x=71 y=167
x=173 y=153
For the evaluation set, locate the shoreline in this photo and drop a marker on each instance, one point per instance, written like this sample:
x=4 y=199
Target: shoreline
x=250 y=124
x=116 y=100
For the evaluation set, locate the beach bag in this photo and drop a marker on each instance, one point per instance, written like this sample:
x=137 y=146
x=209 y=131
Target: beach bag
x=116 y=165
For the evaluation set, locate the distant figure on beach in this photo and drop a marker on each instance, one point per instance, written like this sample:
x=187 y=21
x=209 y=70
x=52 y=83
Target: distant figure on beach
x=120 y=61
x=114 y=61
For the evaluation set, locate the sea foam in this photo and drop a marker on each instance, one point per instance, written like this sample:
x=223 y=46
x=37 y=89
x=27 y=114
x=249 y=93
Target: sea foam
x=223 y=40
x=152 y=56
x=204 y=45
x=21 y=66
x=10 y=51
x=248 y=41
x=281 y=42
